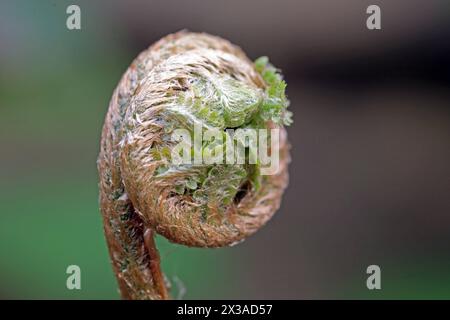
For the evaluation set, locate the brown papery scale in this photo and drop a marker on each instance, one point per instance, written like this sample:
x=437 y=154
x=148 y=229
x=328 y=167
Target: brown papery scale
x=183 y=79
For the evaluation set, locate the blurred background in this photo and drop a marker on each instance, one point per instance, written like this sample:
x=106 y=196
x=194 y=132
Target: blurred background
x=369 y=178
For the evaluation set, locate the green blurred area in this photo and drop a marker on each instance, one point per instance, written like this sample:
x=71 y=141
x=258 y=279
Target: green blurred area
x=404 y=278
x=55 y=88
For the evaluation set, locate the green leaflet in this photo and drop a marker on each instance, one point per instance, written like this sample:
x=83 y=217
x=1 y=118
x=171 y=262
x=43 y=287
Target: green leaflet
x=222 y=103
x=221 y=184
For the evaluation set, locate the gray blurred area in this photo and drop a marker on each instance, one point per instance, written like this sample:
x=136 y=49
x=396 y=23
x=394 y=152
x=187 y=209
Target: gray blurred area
x=370 y=173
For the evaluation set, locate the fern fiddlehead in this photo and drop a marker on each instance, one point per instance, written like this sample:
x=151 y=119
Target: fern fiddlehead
x=183 y=80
